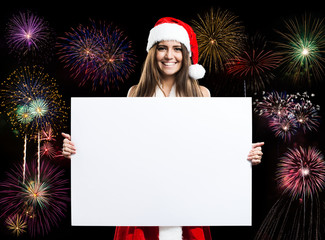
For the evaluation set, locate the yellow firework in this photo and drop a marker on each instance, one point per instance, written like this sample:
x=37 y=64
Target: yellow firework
x=16 y=224
x=220 y=37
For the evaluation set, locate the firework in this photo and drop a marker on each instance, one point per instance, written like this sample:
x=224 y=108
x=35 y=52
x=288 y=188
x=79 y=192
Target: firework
x=220 y=38
x=47 y=134
x=98 y=53
x=284 y=127
x=302 y=47
x=48 y=150
x=31 y=101
x=275 y=105
x=254 y=64
x=296 y=214
x=301 y=172
x=41 y=203
x=287 y=113
x=28 y=35
x=306 y=113
x=293 y=219
x=16 y=224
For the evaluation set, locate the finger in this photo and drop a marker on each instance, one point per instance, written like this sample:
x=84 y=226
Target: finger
x=67 y=142
x=67 y=136
x=69 y=148
x=256 y=162
x=256 y=152
x=69 y=151
x=258 y=144
x=66 y=154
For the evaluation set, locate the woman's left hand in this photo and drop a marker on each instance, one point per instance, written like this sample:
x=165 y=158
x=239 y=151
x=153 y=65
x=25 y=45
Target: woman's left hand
x=255 y=154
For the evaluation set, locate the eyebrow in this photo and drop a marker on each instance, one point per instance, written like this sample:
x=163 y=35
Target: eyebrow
x=163 y=45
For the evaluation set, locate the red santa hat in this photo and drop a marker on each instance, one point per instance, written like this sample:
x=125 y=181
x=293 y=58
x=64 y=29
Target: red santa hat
x=173 y=29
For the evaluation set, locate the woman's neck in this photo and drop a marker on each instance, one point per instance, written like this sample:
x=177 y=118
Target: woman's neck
x=167 y=84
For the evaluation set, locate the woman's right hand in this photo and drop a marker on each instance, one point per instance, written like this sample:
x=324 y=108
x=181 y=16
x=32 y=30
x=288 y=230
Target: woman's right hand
x=68 y=146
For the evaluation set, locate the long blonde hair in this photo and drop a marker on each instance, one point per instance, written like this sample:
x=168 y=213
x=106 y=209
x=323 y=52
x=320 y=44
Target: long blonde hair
x=185 y=85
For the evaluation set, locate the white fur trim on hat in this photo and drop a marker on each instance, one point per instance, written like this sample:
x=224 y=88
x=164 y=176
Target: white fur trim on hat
x=170 y=233
x=169 y=31
x=196 y=71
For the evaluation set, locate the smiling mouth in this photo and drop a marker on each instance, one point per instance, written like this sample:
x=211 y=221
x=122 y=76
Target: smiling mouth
x=169 y=63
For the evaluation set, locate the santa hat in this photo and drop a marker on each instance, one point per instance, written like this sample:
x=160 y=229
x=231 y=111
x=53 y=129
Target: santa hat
x=173 y=29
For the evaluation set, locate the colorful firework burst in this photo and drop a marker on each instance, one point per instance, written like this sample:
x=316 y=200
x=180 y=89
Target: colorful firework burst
x=287 y=113
x=275 y=105
x=42 y=204
x=220 y=38
x=31 y=100
x=254 y=64
x=301 y=172
x=99 y=53
x=284 y=127
x=306 y=113
x=29 y=35
x=302 y=48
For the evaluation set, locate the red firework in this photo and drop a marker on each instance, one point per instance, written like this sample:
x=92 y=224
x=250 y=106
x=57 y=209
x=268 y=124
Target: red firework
x=301 y=172
x=255 y=64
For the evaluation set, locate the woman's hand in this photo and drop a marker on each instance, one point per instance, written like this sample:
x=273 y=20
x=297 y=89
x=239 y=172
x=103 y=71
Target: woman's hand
x=255 y=154
x=68 y=146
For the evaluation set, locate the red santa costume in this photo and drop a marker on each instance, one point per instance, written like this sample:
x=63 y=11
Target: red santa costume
x=170 y=29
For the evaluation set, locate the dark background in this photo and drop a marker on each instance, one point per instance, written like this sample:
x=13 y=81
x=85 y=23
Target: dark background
x=136 y=19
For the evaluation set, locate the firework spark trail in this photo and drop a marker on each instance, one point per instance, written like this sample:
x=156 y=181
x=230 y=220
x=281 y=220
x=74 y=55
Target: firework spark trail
x=302 y=47
x=98 y=53
x=220 y=38
x=292 y=219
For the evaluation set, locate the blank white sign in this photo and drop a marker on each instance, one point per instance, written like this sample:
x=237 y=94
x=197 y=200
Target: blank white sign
x=161 y=161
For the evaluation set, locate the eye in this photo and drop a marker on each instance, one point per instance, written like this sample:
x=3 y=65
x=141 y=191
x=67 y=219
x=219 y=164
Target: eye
x=178 y=49
x=161 y=48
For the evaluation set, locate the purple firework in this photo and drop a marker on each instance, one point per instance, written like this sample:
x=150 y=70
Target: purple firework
x=41 y=204
x=28 y=34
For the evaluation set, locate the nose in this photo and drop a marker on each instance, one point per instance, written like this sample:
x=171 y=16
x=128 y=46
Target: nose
x=169 y=54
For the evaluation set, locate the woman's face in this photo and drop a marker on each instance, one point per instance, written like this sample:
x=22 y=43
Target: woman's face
x=169 y=57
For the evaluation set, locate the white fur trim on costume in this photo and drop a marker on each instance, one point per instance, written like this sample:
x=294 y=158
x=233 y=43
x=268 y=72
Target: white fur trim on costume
x=169 y=31
x=170 y=233
x=196 y=71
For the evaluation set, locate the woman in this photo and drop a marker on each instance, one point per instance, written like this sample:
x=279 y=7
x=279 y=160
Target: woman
x=170 y=70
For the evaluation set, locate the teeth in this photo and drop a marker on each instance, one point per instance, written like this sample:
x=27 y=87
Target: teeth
x=169 y=64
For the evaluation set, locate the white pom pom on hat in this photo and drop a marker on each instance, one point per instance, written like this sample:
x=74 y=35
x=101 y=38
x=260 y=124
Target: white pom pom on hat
x=168 y=28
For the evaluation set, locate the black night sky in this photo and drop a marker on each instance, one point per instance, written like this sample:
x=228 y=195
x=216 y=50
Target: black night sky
x=136 y=19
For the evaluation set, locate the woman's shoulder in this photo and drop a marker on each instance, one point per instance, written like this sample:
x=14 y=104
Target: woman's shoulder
x=131 y=90
x=205 y=91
